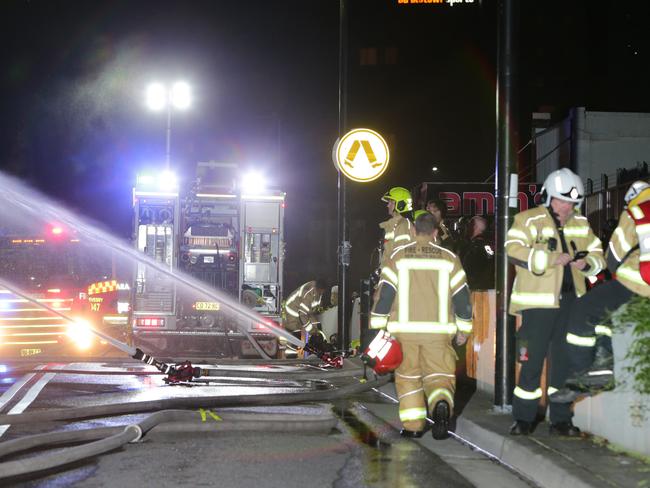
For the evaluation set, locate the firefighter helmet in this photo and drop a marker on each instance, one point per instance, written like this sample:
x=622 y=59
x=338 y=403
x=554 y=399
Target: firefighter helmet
x=417 y=213
x=563 y=184
x=384 y=354
x=635 y=189
x=401 y=197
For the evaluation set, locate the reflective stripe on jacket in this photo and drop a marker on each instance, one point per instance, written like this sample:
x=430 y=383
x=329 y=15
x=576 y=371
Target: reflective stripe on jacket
x=529 y=246
x=423 y=289
x=623 y=240
x=397 y=232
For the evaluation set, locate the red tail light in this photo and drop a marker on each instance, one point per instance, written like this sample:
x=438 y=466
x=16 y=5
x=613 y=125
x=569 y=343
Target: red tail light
x=150 y=322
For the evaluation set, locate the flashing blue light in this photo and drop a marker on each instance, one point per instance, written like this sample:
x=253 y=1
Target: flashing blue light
x=3 y=368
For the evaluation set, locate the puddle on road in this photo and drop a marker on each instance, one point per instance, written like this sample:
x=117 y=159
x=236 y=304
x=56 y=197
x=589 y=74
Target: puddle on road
x=402 y=464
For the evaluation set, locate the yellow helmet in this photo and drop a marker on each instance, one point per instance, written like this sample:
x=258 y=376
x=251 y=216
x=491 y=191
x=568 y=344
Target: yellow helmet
x=417 y=213
x=401 y=197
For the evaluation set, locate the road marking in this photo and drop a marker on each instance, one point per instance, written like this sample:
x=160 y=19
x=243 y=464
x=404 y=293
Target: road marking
x=15 y=388
x=31 y=395
x=209 y=412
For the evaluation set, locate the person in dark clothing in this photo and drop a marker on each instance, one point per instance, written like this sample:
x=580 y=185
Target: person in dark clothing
x=477 y=255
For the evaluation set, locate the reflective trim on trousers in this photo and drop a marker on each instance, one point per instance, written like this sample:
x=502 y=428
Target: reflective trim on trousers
x=440 y=391
x=528 y=395
x=419 y=390
x=580 y=341
x=408 y=414
x=603 y=330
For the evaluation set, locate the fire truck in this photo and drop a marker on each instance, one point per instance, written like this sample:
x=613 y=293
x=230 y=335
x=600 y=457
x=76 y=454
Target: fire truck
x=53 y=270
x=223 y=230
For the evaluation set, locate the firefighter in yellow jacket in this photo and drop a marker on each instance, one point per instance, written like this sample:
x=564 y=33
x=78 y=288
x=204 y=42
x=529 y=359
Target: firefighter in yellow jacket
x=397 y=229
x=302 y=304
x=424 y=302
x=590 y=328
x=553 y=249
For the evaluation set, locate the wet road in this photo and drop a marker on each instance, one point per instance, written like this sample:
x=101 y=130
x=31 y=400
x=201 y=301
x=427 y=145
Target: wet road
x=205 y=452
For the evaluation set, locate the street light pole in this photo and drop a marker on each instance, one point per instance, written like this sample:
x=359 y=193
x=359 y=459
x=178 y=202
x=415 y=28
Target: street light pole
x=169 y=136
x=160 y=97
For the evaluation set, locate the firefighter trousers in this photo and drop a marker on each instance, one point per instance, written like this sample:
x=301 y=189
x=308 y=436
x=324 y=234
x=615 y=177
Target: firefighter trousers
x=590 y=323
x=542 y=334
x=427 y=375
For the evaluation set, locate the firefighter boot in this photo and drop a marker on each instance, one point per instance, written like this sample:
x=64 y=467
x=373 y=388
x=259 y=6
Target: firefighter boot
x=599 y=376
x=521 y=427
x=566 y=429
x=440 y=429
x=411 y=434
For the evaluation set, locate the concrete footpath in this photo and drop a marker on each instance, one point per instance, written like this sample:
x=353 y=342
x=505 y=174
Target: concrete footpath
x=537 y=460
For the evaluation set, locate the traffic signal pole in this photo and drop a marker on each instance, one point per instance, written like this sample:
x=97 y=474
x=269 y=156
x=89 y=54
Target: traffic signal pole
x=343 y=239
x=505 y=166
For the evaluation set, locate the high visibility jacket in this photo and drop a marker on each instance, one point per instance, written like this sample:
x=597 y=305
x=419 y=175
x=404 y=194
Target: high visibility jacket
x=423 y=289
x=301 y=304
x=534 y=244
x=397 y=231
x=623 y=254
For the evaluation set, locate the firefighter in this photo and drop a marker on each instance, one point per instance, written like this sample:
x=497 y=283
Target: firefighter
x=424 y=302
x=397 y=229
x=590 y=328
x=543 y=244
x=302 y=305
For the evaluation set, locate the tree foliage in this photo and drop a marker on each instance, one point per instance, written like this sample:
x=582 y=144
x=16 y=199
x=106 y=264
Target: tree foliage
x=636 y=314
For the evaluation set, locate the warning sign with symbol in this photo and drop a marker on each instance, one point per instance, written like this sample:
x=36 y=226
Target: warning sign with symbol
x=361 y=155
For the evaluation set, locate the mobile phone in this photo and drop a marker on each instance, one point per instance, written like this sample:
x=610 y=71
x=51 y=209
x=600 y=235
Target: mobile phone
x=580 y=255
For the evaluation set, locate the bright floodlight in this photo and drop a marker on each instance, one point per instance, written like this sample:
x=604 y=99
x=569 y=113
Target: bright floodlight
x=253 y=183
x=181 y=95
x=434 y=169
x=156 y=96
x=167 y=181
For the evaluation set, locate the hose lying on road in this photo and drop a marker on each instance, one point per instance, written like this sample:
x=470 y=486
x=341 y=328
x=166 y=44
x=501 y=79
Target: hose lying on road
x=36 y=416
x=111 y=438
x=220 y=371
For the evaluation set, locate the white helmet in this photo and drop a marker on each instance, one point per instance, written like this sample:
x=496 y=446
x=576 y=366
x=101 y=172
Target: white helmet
x=634 y=190
x=563 y=184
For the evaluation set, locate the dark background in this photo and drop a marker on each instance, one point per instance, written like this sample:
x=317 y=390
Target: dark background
x=265 y=80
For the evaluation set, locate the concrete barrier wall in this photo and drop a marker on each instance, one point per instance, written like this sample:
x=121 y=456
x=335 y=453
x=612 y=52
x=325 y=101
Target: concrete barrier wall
x=621 y=416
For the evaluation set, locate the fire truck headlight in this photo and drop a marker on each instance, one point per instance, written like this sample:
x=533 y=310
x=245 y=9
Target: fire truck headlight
x=79 y=332
x=167 y=181
x=253 y=183
x=122 y=307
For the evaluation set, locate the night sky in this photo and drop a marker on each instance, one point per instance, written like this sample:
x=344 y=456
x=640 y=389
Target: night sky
x=265 y=82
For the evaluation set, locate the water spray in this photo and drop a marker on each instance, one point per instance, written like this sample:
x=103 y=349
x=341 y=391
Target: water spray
x=21 y=199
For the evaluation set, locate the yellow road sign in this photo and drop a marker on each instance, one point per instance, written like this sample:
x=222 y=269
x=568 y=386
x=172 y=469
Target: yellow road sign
x=362 y=155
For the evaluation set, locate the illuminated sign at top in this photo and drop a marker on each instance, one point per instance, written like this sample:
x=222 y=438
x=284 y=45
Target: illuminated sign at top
x=361 y=155
x=440 y=2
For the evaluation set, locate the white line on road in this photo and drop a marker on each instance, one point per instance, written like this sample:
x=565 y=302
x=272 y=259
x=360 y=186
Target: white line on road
x=31 y=395
x=15 y=388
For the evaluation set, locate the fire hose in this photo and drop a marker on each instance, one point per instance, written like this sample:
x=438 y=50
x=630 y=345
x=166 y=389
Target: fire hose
x=106 y=439
x=59 y=414
x=177 y=373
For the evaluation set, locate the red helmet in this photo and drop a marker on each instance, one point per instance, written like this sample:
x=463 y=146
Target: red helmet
x=384 y=354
